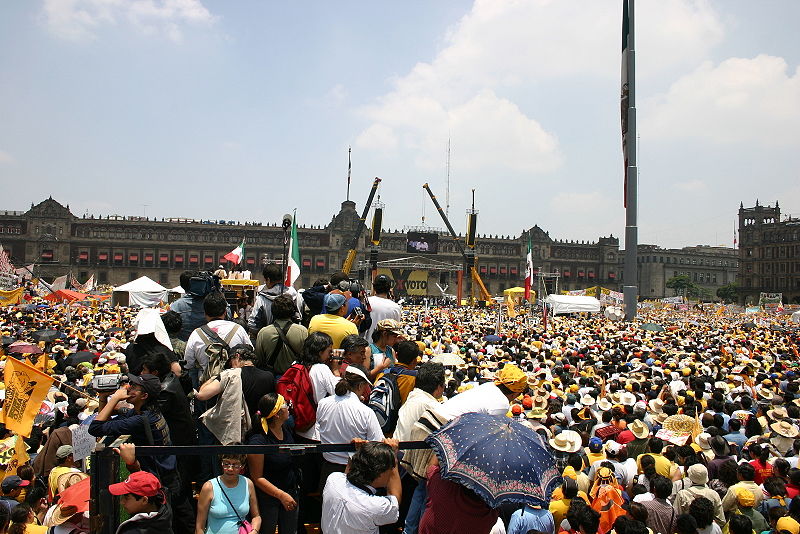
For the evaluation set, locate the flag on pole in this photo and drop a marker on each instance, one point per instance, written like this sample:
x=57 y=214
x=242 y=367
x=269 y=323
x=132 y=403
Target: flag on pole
x=236 y=255
x=734 y=235
x=59 y=283
x=26 y=388
x=624 y=95
x=293 y=263
x=529 y=270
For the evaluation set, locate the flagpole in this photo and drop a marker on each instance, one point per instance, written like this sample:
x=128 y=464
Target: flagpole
x=630 y=289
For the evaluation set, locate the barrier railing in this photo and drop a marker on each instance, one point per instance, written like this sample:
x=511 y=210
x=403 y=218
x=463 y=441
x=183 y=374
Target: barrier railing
x=104 y=469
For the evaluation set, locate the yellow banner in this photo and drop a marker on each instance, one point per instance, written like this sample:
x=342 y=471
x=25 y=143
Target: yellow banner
x=9 y=298
x=26 y=388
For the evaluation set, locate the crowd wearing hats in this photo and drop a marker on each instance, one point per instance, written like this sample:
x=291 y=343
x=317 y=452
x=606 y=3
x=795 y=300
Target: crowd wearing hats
x=692 y=429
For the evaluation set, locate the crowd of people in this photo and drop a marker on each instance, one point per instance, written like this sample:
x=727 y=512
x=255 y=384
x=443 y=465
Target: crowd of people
x=685 y=429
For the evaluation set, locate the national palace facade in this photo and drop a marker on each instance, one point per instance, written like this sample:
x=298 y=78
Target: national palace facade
x=117 y=249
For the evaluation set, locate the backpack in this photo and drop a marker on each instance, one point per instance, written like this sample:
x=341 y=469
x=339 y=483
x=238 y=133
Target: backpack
x=269 y=364
x=217 y=350
x=385 y=398
x=295 y=386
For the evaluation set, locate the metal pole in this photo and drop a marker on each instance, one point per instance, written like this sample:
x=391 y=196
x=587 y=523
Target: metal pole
x=630 y=289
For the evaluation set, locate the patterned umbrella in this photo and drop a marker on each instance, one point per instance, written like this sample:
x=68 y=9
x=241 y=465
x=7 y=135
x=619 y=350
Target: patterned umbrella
x=498 y=458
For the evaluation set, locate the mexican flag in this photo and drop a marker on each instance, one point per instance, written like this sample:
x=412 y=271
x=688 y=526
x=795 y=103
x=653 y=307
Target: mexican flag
x=529 y=270
x=293 y=263
x=236 y=255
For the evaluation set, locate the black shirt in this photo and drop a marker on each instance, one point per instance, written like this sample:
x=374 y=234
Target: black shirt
x=255 y=384
x=280 y=468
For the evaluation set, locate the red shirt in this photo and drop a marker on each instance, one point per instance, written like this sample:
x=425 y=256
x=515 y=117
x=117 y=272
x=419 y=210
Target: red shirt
x=450 y=509
x=763 y=471
x=792 y=491
x=625 y=437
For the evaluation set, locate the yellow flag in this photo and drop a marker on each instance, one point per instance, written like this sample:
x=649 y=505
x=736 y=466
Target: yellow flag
x=9 y=298
x=510 y=305
x=26 y=388
x=19 y=456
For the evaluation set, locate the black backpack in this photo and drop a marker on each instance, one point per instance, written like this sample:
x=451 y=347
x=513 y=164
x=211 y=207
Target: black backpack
x=385 y=398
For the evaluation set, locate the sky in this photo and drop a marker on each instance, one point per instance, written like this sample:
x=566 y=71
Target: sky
x=211 y=109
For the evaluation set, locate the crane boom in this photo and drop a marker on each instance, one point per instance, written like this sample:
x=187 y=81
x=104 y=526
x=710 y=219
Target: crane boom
x=485 y=295
x=351 y=253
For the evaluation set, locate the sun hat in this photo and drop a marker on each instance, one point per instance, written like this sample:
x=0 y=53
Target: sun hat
x=719 y=445
x=639 y=429
x=511 y=377
x=702 y=441
x=604 y=404
x=745 y=498
x=73 y=500
x=536 y=413
x=777 y=413
x=785 y=429
x=566 y=441
x=698 y=474
x=389 y=325
x=587 y=400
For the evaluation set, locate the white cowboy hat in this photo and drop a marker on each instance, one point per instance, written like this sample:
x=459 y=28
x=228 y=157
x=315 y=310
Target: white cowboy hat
x=566 y=441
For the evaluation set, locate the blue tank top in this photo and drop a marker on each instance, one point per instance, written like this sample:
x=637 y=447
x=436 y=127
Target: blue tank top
x=222 y=518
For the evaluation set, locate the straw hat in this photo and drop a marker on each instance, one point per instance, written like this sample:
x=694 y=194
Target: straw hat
x=639 y=429
x=539 y=402
x=536 y=413
x=566 y=441
x=702 y=441
x=777 y=413
x=785 y=429
x=587 y=400
x=679 y=424
x=765 y=394
x=627 y=398
x=656 y=405
x=604 y=404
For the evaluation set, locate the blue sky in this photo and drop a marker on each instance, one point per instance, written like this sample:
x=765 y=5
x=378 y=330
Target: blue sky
x=245 y=110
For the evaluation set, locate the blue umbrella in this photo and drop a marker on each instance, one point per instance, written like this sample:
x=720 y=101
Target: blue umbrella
x=492 y=338
x=496 y=457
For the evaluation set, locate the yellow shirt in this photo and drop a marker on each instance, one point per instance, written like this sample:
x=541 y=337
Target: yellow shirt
x=335 y=326
x=54 y=474
x=663 y=465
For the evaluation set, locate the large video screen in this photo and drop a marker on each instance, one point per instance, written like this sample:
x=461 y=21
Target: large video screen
x=422 y=243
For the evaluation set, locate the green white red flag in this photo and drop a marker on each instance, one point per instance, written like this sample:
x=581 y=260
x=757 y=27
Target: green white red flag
x=293 y=263
x=236 y=255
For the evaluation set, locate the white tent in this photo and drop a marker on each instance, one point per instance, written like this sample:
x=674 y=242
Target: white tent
x=796 y=317
x=142 y=292
x=572 y=304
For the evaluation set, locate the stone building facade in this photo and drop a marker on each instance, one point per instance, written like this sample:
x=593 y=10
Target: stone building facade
x=708 y=267
x=118 y=249
x=769 y=253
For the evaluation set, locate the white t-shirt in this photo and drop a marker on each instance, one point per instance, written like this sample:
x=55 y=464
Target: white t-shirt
x=343 y=418
x=196 y=347
x=486 y=398
x=382 y=309
x=347 y=509
x=324 y=383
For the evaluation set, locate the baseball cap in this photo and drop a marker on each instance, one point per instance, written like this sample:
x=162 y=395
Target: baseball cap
x=595 y=445
x=149 y=383
x=334 y=301
x=13 y=482
x=63 y=451
x=139 y=483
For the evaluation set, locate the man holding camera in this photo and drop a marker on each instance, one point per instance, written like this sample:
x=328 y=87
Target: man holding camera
x=381 y=305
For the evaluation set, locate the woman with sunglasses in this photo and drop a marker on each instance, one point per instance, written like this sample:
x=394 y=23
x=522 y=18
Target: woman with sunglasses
x=227 y=500
x=275 y=474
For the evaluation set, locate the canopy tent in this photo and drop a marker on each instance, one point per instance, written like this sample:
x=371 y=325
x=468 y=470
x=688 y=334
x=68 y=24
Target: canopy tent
x=796 y=317
x=177 y=289
x=572 y=304
x=142 y=292
x=66 y=294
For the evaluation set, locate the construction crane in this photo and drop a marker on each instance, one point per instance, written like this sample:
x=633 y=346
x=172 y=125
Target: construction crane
x=351 y=253
x=469 y=256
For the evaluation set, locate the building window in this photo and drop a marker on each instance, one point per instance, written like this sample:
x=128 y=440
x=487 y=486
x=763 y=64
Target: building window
x=102 y=277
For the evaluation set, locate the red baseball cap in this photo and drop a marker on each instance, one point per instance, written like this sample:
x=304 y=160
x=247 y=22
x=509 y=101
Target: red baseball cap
x=139 y=483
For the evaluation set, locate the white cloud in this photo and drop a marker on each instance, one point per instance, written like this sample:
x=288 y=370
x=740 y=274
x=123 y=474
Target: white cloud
x=502 y=47
x=754 y=101
x=79 y=19
x=377 y=137
x=5 y=157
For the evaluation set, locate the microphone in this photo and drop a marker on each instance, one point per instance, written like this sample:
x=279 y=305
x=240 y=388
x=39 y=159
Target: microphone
x=287 y=221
